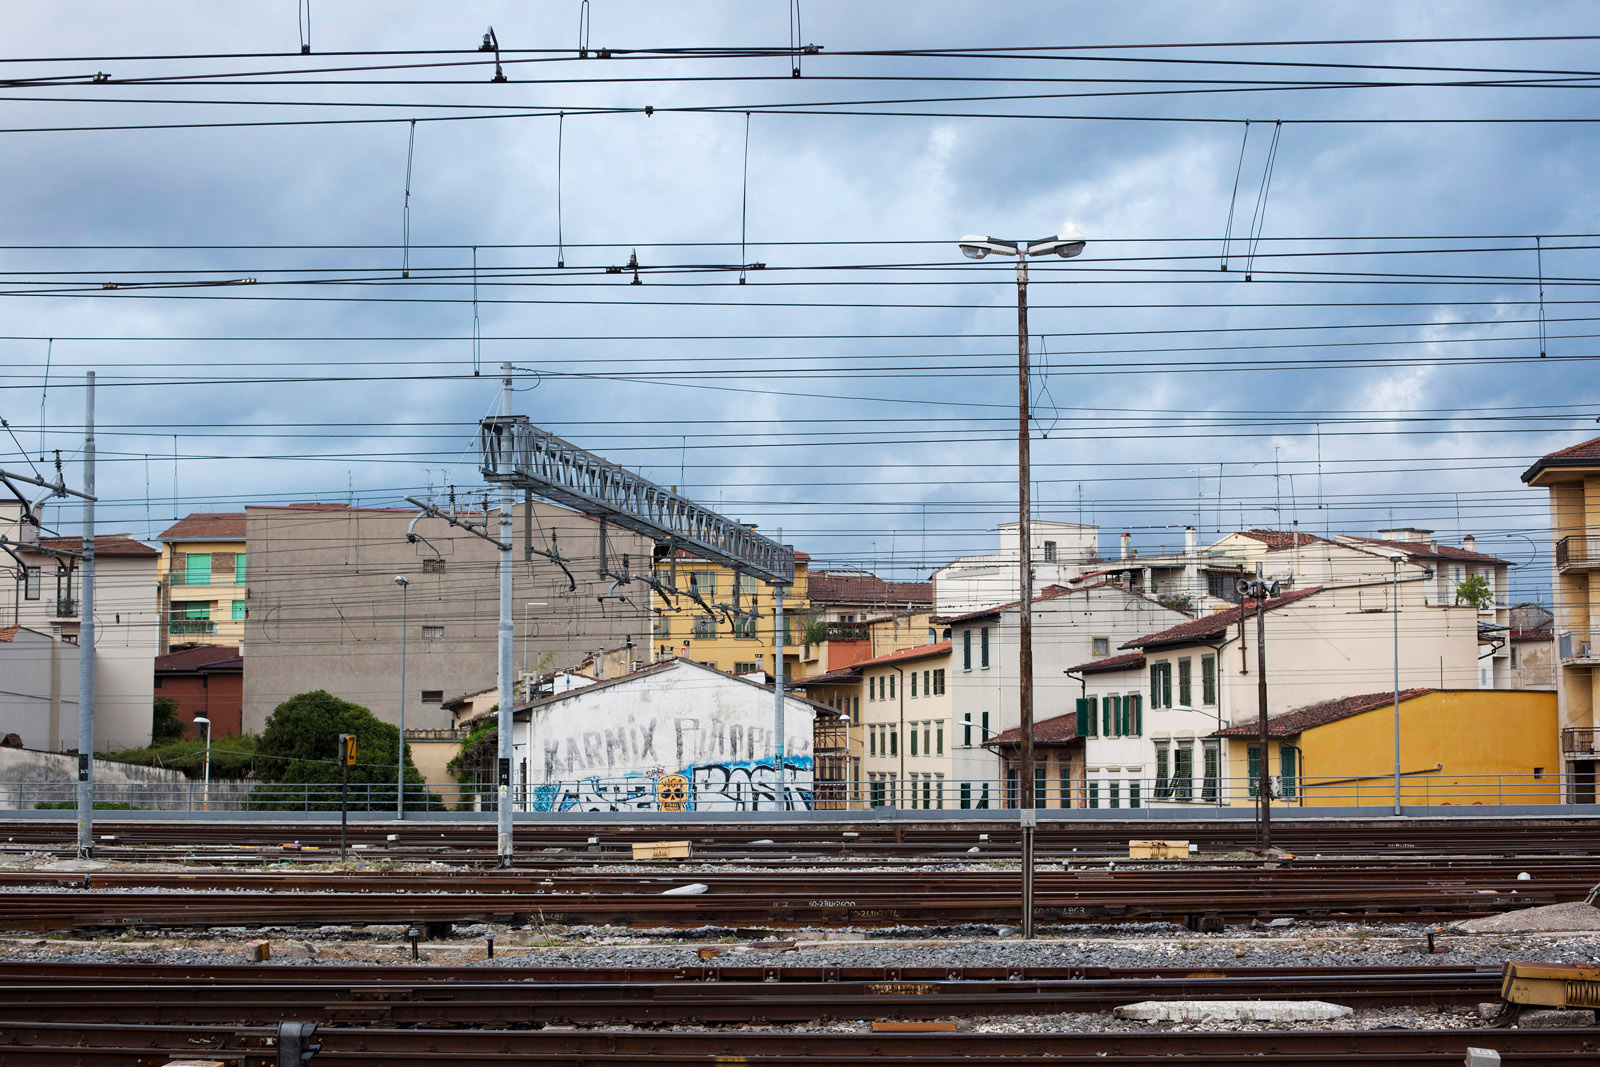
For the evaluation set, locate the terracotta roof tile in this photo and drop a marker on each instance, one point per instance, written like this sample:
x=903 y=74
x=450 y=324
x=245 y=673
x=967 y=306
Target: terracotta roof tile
x=104 y=545
x=207 y=526
x=1420 y=550
x=1057 y=730
x=1277 y=540
x=1050 y=593
x=1293 y=722
x=845 y=587
x=920 y=652
x=1217 y=622
x=1109 y=663
x=209 y=657
x=9 y=634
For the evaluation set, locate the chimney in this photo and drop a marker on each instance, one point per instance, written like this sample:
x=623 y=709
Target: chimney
x=1191 y=540
x=1469 y=543
x=1127 y=544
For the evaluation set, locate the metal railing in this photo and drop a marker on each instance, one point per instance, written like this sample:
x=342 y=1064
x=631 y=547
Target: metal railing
x=1578 y=550
x=66 y=608
x=1576 y=645
x=191 y=626
x=1579 y=739
x=757 y=794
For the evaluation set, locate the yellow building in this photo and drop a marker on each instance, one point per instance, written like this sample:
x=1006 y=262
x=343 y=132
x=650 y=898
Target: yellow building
x=1457 y=747
x=202 y=580
x=1573 y=477
x=718 y=629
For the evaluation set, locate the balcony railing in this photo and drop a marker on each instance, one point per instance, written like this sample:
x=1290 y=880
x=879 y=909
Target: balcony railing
x=66 y=608
x=191 y=626
x=1579 y=739
x=1578 y=550
x=1579 y=646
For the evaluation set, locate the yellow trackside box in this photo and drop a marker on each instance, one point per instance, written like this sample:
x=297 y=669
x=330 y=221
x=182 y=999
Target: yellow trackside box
x=662 y=850
x=1158 y=850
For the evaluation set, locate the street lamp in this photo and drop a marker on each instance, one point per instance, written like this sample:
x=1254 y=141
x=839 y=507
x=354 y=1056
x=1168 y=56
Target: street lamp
x=977 y=247
x=201 y=720
x=400 y=761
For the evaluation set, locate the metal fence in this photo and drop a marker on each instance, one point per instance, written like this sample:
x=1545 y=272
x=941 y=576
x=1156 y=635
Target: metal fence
x=926 y=793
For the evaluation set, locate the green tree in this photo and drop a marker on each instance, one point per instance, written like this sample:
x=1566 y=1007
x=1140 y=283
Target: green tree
x=474 y=764
x=299 y=747
x=1475 y=591
x=165 y=725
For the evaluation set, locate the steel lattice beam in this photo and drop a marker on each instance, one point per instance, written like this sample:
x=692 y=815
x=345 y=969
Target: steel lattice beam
x=517 y=452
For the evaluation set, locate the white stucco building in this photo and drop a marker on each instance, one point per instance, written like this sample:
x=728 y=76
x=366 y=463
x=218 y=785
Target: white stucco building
x=1060 y=551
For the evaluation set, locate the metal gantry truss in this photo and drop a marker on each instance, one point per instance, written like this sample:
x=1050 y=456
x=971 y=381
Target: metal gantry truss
x=516 y=452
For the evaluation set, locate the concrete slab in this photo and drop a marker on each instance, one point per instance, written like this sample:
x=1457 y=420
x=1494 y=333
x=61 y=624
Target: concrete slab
x=1571 y=918
x=72 y=865
x=1203 y=1011
x=1554 y=1019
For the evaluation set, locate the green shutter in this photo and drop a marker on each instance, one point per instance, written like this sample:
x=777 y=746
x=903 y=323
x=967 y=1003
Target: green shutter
x=1133 y=794
x=238 y=611
x=1186 y=682
x=1107 y=704
x=238 y=569
x=1208 y=680
x=1125 y=725
x=1255 y=770
x=1166 y=685
x=1155 y=685
x=197 y=568
x=1290 y=758
x=1094 y=716
x=197 y=610
x=1082 y=725
x=1138 y=714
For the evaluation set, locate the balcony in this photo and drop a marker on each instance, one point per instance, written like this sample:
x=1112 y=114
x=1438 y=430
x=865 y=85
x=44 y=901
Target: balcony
x=1579 y=740
x=66 y=608
x=1577 y=648
x=1578 y=552
x=186 y=627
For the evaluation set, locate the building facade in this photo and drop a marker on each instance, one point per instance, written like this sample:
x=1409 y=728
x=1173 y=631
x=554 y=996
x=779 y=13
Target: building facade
x=908 y=730
x=726 y=621
x=38 y=688
x=202 y=573
x=1572 y=476
x=1059 y=551
x=204 y=681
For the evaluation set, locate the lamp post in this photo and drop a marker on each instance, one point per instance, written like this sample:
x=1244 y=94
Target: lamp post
x=1394 y=563
x=201 y=720
x=400 y=761
x=977 y=247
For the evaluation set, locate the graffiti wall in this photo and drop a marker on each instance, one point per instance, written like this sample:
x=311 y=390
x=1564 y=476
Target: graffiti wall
x=678 y=738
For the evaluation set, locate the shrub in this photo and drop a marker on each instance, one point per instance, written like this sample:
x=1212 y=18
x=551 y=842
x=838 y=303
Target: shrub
x=299 y=746
x=165 y=725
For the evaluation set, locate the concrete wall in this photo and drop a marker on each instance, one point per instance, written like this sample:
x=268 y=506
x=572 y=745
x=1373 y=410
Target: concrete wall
x=39 y=689
x=972 y=583
x=28 y=778
x=674 y=739
x=325 y=611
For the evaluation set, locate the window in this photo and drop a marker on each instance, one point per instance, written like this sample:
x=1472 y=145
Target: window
x=703 y=583
x=1223 y=586
x=1289 y=758
x=433 y=696
x=985 y=725
x=938 y=737
x=855 y=708
x=1255 y=770
x=197 y=568
x=1185 y=682
x=966 y=650
x=31 y=589
x=1038 y=785
x=1066 y=787
x=938 y=791
x=927 y=739
x=1133 y=794
x=746 y=585
x=66 y=604
x=983 y=635
x=966 y=794
x=432 y=633
x=705 y=626
x=938 y=682
x=913 y=693
x=927 y=790
x=429 y=566
x=913 y=739
x=1114 y=794
x=1163 y=785
x=238 y=611
x=927 y=683
x=1094 y=794
x=1208 y=681
x=1049 y=551
x=872 y=688
x=238 y=568
x=1108 y=717
x=1161 y=685
x=876 y=790
x=966 y=731
x=744 y=668
x=1088 y=724
x=872 y=741
x=894 y=742
x=1101 y=646
x=1213 y=772
x=1135 y=705
x=744 y=626
x=663 y=626
x=1183 y=771
x=891 y=686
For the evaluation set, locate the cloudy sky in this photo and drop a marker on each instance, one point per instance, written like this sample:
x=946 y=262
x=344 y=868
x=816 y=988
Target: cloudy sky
x=1400 y=177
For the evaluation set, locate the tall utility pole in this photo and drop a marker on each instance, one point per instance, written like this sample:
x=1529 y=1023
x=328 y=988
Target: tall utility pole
x=86 y=638
x=777 y=677
x=400 y=760
x=1264 y=786
x=507 y=493
x=1394 y=563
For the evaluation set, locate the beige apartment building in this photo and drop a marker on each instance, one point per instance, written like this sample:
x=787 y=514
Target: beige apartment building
x=1572 y=476
x=908 y=723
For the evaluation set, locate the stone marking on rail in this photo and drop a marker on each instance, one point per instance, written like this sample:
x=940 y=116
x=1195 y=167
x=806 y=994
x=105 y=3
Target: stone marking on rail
x=1208 y=1011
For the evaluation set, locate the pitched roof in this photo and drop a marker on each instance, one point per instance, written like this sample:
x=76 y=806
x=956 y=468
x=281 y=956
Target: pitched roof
x=1421 y=550
x=1050 y=593
x=653 y=668
x=859 y=587
x=104 y=545
x=1585 y=454
x=200 y=657
x=1109 y=663
x=1215 y=623
x=1542 y=633
x=207 y=526
x=1277 y=540
x=1057 y=730
x=920 y=652
x=1293 y=722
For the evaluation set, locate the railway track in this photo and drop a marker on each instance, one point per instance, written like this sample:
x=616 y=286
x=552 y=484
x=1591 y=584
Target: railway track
x=120 y=1045
x=821 y=838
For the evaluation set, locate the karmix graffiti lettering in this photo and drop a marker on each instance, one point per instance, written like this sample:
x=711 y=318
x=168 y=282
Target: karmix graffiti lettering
x=741 y=786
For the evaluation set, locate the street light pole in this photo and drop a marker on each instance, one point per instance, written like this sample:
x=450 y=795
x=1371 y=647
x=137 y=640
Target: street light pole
x=1394 y=562
x=976 y=247
x=205 y=801
x=400 y=761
